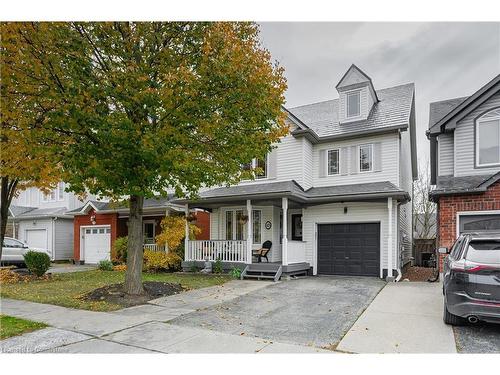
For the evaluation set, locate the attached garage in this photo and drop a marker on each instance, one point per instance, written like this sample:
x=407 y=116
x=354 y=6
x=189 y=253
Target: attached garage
x=96 y=243
x=37 y=238
x=349 y=249
x=478 y=222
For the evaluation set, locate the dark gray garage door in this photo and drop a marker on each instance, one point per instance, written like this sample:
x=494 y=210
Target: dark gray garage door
x=349 y=249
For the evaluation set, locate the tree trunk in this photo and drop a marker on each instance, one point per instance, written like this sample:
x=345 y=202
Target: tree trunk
x=133 y=276
x=8 y=189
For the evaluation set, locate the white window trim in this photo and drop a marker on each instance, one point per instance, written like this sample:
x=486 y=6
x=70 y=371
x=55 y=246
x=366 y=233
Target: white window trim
x=480 y=120
x=245 y=227
x=253 y=165
x=359 y=158
x=357 y=92
x=328 y=162
x=144 y=222
x=48 y=199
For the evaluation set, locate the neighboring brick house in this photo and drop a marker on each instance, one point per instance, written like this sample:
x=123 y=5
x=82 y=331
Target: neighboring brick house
x=464 y=136
x=98 y=224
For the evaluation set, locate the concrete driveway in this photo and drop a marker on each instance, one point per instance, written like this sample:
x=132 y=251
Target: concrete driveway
x=315 y=311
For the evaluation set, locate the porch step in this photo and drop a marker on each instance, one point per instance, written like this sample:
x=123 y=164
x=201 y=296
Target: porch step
x=260 y=271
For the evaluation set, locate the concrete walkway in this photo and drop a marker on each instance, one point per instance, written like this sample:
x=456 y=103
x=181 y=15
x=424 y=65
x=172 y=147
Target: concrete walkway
x=404 y=318
x=139 y=329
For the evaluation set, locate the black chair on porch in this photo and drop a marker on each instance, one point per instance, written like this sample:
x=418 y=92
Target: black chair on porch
x=262 y=252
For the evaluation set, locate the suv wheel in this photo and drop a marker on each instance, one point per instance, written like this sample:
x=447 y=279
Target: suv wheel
x=451 y=319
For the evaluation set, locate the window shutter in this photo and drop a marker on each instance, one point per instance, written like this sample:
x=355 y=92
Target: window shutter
x=322 y=163
x=344 y=156
x=354 y=159
x=377 y=157
x=272 y=164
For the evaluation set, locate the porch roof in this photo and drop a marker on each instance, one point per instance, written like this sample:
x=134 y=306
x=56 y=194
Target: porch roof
x=274 y=191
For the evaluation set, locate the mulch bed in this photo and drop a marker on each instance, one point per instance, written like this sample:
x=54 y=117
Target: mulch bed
x=417 y=273
x=114 y=293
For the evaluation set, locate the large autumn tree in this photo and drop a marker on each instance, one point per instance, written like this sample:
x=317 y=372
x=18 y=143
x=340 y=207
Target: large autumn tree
x=146 y=108
x=25 y=158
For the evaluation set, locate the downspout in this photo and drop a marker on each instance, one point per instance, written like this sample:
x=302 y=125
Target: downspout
x=398 y=268
x=54 y=238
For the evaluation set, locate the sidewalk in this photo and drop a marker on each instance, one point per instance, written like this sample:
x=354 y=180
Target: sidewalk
x=404 y=318
x=139 y=329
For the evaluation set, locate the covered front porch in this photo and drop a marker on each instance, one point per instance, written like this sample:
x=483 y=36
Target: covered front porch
x=243 y=229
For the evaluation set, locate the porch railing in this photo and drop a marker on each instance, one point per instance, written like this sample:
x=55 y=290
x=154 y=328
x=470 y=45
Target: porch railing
x=225 y=250
x=153 y=247
x=296 y=252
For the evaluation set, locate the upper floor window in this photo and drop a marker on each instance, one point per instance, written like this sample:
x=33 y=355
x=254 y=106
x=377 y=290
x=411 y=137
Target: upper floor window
x=353 y=104
x=488 y=139
x=261 y=164
x=56 y=194
x=366 y=158
x=333 y=162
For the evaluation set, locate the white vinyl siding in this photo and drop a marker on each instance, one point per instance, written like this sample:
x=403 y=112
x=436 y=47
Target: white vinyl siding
x=445 y=154
x=359 y=212
x=389 y=161
x=63 y=245
x=465 y=141
x=307 y=163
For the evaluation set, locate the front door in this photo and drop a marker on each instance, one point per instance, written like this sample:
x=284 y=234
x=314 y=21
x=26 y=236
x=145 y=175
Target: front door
x=149 y=232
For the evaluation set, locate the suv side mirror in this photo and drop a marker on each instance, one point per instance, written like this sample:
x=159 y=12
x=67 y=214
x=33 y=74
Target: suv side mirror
x=443 y=250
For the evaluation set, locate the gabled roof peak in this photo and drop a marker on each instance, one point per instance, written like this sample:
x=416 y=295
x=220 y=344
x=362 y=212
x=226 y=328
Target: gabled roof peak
x=352 y=76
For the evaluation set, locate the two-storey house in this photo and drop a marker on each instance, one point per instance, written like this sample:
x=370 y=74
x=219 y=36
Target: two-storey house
x=335 y=192
x=464 y=136
x=42 y=220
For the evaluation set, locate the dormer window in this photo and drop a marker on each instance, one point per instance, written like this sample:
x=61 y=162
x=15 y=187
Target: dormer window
x=353 y=104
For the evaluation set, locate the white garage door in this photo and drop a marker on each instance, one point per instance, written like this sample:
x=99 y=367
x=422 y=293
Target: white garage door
x=37 y=238
x=96 y=244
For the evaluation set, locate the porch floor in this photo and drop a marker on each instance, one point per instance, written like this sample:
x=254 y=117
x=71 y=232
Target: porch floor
x=290 y=269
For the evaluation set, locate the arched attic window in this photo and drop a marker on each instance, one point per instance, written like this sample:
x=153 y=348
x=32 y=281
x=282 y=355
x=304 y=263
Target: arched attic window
x=488 y=139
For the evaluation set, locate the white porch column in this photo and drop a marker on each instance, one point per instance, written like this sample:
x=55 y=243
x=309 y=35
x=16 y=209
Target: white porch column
x=249 y=232
x=284 y=245
x=167 y=213
x=389 y=241
x=186 y=239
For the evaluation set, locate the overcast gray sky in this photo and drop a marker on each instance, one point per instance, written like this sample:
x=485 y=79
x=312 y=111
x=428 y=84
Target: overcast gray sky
x=444 y=60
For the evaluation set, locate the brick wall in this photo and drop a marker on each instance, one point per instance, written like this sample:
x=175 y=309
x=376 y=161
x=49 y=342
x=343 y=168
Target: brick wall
x=448 y=206
x=100 y=219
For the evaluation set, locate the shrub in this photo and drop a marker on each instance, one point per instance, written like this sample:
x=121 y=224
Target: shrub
x=235 y=272
x=193 y=267
x=120 y=267
x=37 y=263
x=106 y=265
x=120 y=250
x=218 y=266
x=155 y=261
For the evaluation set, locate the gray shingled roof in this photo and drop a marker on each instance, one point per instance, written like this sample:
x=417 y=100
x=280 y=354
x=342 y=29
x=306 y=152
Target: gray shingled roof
x=438 y=110
x=19 y=210
x=294 y=191
x=392 y=110
x=157 y=202
x=449 y=185
x=356 y=189
x=43 y=212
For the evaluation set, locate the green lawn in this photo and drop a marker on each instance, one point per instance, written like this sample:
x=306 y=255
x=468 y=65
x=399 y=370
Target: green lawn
x=65 y=289
x=10 y=326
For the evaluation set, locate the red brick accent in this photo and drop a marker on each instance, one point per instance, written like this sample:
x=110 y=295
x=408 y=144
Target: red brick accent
x=448 y=206
x=100 y=219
